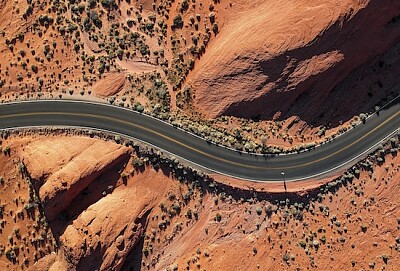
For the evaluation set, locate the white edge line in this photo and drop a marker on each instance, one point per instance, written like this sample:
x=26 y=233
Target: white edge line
x=369 y=150
x=206 y=168
x=191 y=133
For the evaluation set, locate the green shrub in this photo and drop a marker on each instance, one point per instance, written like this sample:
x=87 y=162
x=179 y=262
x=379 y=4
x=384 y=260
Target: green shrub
x=34 y=68
x=177 y=22
x=364 y=228
x=302 y=243
x=95 y=18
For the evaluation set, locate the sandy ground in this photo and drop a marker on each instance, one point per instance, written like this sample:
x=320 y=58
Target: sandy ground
x=137 y=66
x=187 y=224
x=353 y=228
x=278 y=68
x=72 y=202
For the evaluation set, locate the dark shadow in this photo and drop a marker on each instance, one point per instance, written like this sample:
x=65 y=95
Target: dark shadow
x=208 y=185
x=133 y=260
x=92 y=262
x=326 y=98
x=102 y=185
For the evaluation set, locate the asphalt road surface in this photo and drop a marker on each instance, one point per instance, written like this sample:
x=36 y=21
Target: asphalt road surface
x=325 y=159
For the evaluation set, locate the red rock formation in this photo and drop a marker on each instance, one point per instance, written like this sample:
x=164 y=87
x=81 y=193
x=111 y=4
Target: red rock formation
x=68 y=166
x=265 y=60
x=103 y=224
x=109 y=85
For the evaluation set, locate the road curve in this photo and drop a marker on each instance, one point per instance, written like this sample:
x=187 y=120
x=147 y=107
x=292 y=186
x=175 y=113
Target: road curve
x=327 y=158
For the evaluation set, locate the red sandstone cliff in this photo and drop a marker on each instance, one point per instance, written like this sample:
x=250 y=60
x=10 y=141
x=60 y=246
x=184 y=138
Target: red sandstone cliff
x=286 y=57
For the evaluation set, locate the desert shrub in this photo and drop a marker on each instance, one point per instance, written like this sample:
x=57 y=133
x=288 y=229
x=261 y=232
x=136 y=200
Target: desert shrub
x=285 y=257
x=189 y=214
x=139 y=107
x=95 y=18
x=92 y=3
x=177 y=22
x=150 y=26
x=28 y=11
x=106 y=3
x=364 y=228
x=77 y=47
x=184 y=6
x=87 y=24
x=34 y=68
x=20 y=77
x=303 y=243
x=385 y=258
x=211 y=16
x=215 y=28
x=152 y=17
x=45 y=20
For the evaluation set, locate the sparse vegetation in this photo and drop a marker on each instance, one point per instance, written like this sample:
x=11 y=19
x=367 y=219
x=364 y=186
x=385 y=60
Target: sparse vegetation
x=66 y=48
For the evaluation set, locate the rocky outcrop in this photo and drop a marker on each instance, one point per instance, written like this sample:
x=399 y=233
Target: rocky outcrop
x=104 y=234
x=52 y=262
x=66 y=167
x=110 y=85
x=106 y=215
x=272 y=58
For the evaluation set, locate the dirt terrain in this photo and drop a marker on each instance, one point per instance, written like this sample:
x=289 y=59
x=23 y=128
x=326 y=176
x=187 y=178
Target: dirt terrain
x=121 y=211
x=255 y=75
x=278 y=58
x=240 y=72
x=140 y=49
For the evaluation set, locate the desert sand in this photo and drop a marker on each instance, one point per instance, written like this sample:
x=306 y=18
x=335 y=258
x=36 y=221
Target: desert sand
x=115 y=214
x=296 y=68
x=284 y=73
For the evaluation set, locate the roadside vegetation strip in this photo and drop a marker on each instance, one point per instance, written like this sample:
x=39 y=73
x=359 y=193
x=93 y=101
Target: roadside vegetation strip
x=196 y=150
x=163 y=153
x=296 y=149
x=106 y=118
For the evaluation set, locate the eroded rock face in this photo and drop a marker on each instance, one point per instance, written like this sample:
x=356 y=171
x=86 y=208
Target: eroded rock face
x=110 y=85
x=105 y=214
x=103 y=235
x=265 y=60
x=68 y=166
x=52 y=262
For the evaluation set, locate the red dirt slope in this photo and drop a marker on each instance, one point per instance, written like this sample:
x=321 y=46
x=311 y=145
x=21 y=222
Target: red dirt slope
x=269 y=57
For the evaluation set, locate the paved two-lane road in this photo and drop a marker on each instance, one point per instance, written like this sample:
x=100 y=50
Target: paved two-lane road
x=327 y=158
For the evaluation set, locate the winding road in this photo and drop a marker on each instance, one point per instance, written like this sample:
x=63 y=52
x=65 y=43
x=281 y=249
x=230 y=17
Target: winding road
x=325 y=159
